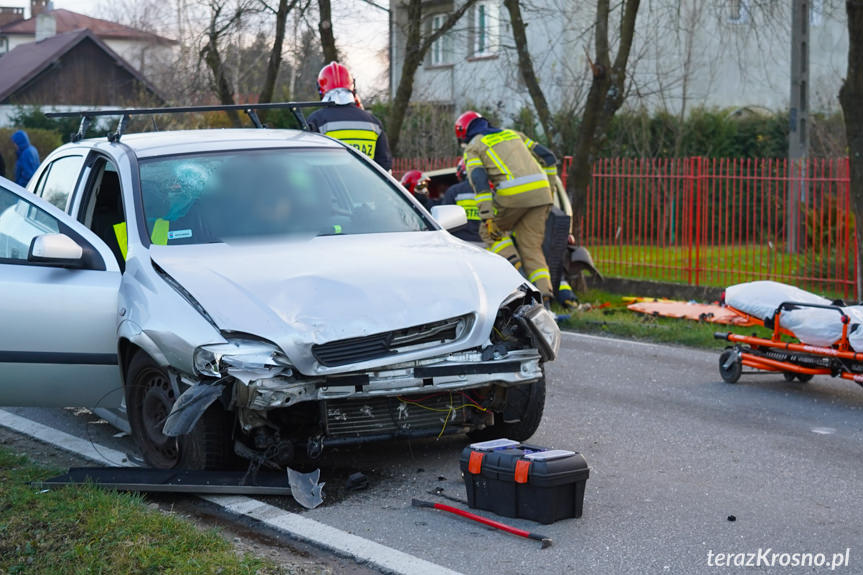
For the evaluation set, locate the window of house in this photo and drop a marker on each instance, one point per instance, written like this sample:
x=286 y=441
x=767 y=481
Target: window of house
x=738 y=11
x=816 y=12
x=484 y=28
x=440 y=48
x=4 y=44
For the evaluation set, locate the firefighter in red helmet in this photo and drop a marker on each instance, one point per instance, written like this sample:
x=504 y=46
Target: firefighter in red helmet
x=347 y=121
x=416 y=183
x=513 y=197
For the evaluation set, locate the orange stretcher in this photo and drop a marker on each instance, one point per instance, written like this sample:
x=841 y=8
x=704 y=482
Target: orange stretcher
x=792 y=359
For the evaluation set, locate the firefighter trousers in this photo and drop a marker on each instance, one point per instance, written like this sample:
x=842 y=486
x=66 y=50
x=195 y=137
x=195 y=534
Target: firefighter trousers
x=527 y=226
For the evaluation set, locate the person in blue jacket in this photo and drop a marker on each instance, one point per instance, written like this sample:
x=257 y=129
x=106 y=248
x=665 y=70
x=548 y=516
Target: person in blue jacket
x=28 y=158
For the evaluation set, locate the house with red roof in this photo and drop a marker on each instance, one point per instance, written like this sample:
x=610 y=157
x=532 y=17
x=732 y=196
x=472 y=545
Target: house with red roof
x=139 y=48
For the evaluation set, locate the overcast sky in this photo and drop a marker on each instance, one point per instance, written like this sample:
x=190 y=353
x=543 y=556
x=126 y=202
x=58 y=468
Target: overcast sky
x=360 y=30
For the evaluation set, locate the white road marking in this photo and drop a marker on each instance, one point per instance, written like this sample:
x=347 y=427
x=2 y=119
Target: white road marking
x=576 y=335
x=78 y=446
x=293 y=525
x=363 y=550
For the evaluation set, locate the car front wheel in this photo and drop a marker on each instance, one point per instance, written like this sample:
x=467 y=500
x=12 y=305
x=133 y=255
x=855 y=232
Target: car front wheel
x=524 y=402
x=150 y=395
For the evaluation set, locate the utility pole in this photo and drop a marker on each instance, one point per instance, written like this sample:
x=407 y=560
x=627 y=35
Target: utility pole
x=798 y=135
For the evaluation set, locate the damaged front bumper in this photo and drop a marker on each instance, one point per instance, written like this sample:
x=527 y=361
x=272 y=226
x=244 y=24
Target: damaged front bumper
x=458 y=371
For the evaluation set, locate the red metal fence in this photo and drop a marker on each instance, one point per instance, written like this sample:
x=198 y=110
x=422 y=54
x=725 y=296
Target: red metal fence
x=723 y=221
x=717 y=222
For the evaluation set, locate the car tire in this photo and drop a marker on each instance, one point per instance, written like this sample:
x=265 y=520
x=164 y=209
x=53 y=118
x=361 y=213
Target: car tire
x=516 y=430
x=150 y=394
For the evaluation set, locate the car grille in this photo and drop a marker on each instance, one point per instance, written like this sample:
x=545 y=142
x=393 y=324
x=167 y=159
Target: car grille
x=358 y=349
x=391 y=416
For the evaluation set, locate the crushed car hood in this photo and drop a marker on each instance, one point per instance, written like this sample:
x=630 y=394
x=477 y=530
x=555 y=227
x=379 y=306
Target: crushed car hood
x=301 y=292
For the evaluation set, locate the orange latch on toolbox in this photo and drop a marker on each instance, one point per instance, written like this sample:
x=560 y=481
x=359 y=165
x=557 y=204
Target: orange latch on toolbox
x=521 y=468
x=474 y=464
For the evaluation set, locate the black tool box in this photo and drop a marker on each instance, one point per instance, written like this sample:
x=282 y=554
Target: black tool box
x=525 y=481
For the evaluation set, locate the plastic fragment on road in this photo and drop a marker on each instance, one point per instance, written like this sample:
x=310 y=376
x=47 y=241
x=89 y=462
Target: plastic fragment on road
x=710 y=313
x=305 y=487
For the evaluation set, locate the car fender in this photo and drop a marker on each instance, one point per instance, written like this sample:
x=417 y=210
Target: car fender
x=132 y=332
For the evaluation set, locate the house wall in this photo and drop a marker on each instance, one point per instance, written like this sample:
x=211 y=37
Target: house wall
x=691 y=51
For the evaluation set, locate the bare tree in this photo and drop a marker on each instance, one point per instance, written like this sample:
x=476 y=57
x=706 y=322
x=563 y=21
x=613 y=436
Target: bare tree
x=604 y=98
x=275 y=60
x=223 y=19
x=417 y=46
x=850 y=96
x=325 y=27
x=525 y=66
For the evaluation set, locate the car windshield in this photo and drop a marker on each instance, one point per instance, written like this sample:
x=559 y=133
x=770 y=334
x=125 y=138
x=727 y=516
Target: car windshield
x=207 y=198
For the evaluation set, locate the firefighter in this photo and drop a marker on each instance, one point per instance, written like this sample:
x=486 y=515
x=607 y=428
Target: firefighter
x=347 y=121
x=462 y=194
x=521 y=200
x=414 y=182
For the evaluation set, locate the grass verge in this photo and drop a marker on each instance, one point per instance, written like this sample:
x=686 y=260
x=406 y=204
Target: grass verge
x=90 y=530
x=616 y=320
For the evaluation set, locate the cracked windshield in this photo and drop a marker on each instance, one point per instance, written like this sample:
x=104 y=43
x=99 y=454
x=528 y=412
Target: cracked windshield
x=212 y=198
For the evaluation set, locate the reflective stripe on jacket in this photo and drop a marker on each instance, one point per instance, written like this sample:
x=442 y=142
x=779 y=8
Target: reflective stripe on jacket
x=361 y=135
x=518 y=179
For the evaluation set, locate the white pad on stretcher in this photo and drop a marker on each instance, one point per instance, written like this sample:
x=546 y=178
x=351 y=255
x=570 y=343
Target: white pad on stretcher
x=813 y=326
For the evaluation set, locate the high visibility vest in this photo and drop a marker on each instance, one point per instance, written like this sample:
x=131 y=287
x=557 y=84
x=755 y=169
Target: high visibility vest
x=360 y=135
x=517 y=178
x=158 y=237
x=468 y=202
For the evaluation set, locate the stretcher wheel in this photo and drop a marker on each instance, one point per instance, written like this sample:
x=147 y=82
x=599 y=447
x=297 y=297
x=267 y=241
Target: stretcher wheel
x=789 y=375
x=804 y=377
x=731 y=373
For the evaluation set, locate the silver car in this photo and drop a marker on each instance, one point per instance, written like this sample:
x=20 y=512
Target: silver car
x=261 y=294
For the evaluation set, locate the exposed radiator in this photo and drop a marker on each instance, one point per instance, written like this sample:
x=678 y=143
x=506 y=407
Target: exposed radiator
x=389 y=415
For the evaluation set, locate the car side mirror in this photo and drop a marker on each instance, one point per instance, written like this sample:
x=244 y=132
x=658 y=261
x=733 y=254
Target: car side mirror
x=449 y=216
x=56 y=249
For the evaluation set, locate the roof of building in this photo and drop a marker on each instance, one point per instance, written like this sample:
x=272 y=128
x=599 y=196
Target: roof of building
x=26 y=61
x=68 y=21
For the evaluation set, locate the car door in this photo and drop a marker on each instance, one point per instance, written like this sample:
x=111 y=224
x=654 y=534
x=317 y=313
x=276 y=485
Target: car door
x=58 y=344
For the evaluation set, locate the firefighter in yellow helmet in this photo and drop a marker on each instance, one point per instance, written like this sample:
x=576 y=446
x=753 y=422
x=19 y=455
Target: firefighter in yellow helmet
x=512 y=192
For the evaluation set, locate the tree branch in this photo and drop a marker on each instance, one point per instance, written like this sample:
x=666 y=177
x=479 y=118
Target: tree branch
x=525 y=66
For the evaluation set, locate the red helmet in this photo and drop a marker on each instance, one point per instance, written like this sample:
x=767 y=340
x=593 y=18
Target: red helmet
x=333 y=76
x=463 y=123
x=411 y=180
x=460 y=171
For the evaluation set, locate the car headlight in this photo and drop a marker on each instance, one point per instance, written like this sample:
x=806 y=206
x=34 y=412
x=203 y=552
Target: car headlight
x=243 y=358
x=542 y=325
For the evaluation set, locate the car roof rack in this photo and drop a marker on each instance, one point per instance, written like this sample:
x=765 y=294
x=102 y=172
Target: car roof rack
x=125 y=114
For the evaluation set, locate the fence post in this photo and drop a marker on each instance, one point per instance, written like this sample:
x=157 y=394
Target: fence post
x=698 y=177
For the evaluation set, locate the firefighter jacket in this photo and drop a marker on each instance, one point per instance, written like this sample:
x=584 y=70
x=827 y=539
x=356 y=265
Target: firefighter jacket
x=462 y=194
x=505 y=161
x=355 y=127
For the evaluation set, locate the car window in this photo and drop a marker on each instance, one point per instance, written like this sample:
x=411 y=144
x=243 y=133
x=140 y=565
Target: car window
x=59 y=179
x=20 y=222
x=256 y=193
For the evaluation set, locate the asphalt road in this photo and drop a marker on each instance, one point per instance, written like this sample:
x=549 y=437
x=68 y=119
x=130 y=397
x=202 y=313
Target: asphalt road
x=673 y=452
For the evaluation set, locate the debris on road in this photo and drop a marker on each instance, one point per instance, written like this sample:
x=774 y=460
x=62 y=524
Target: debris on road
x=150 y=480
x=305 y=488
x=357 y=481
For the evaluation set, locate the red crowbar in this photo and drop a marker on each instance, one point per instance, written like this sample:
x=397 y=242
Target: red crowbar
x=546 y=541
